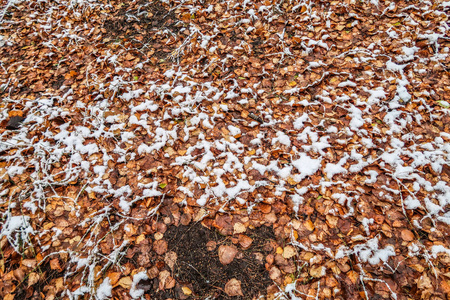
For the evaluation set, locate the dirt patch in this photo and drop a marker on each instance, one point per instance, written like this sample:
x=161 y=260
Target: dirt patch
x=142 y=20
x=147 y=26
x=198 y=266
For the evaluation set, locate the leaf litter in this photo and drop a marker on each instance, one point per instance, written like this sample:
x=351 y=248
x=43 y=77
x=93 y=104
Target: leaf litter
x=122 y=124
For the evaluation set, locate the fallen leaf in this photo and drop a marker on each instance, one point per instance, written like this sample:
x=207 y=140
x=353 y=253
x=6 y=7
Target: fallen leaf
x=332 y=220
x=59 y=284
x=227 y=254
x=14 y=122
x=126 y=282
x=19 y=274
x=33 y=278
x=114 y=277
x=245 y=241
x=407 y=235
x=170 y=259
x=153 y=272
x=289 y=251
x=211 y=245
x=424 y=282
x=160 y=247
x=187 y=291
x=353 y=276
x=274 y=273
x=30 y=263
x=54 y=264
x=317 y=271
x=185 y=219
x=239 y=228
x=140 y=238
x=158 y=236
x=165 y=280
x=309 y=225
x=233 y=288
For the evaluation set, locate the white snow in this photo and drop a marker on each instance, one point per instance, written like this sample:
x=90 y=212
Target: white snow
x=134 y=291
x=306 y=166
x=104 y=290
x=14 y=223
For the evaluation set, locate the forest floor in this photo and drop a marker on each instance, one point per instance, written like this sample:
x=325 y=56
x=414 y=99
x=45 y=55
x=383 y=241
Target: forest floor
x=188 y=149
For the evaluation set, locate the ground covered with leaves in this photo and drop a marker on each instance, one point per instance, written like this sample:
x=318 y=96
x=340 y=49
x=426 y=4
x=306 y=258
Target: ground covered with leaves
x=188 y=149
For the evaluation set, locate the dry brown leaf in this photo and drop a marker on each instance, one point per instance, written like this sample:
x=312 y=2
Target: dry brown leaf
x=227 y=254
x=446 y=286
x=239 y=228
x=289 y=251
x=160 y=247
x=407 y=235
x=211 y=245
x=233 y=288
x=245 y=241
x=353 y=276
x=165 y=280
x=317 y=271
x=19 y=274
x=126 y=282
x=418 y=267
x=33 y=278
x=114 y=277
x=274 y=273
x=170 y=259
x=158 y=236
x=309 y=225
x=185 y=219
x=140 y=238
x=54 y=264
x=153 y=272
x=59 y=284
x=30 y=263
x=424 y=282
x=332 y=220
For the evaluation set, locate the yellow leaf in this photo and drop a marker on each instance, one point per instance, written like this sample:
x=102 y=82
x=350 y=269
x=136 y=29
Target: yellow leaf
x=187 y=291
x=114 y=277
x=289 y=251
x=140 y=238
x=309 y=225
x=158 y=236
x=353 y=276
x=59 y=284
x=126 y=282
x=291 y=180
x=239 y=228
